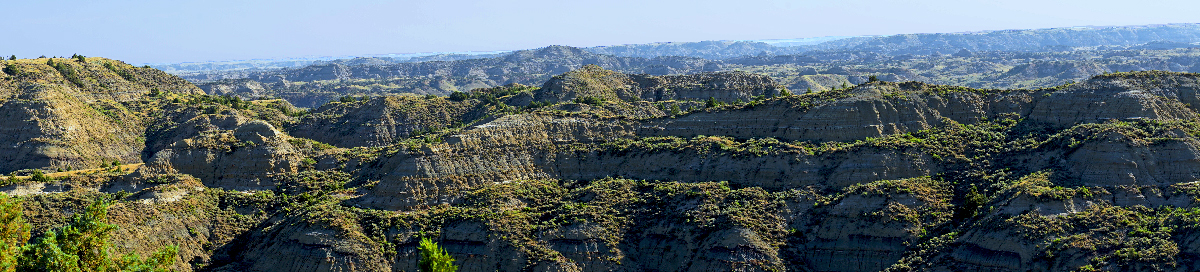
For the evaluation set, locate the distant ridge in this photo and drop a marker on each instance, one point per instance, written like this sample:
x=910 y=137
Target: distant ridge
x=913 y=43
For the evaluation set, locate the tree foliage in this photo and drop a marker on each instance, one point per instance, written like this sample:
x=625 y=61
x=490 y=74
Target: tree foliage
x=434 y=258
x=81 y=246
x=459 y=96
x=590 y=100
x=14 y=232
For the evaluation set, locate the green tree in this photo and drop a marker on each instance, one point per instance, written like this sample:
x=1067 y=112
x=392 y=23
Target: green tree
x=14 y=232
x=13 y=57
x=711 y=102
x=785 y=92
x=434 y=258
x=38 y=176
x=590 y=100
x=83 y=246
x=459 y=96
x=12 y=69
x=47 y=255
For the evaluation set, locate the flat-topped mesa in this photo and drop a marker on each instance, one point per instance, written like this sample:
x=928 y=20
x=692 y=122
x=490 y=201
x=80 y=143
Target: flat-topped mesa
x=594 y=81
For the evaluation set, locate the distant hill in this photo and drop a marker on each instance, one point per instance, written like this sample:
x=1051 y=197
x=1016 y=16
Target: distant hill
x=987 y=59
x=1034 y=40
x=314 y=85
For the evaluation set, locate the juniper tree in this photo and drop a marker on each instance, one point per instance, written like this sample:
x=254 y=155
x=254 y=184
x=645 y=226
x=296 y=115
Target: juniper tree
x=434 y=258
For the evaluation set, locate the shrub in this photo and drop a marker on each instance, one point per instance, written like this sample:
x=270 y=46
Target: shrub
x=14 y=232
x=590 y=100
x=83 y=245
x=67 y=72
x=459 y=96
x=12 y=70
x=538 y=104
x=38 y=176
x=712 y=102
x=120 y=72
x=434 y=258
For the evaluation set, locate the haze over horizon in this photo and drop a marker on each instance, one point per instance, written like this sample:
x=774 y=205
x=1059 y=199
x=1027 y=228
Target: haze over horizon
x=194 y=31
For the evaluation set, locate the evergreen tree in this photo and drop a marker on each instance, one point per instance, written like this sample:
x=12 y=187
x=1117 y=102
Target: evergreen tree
x=434 y=258
x=83 y=246
x=459 y=96
x=14 y=232
x=38 y=176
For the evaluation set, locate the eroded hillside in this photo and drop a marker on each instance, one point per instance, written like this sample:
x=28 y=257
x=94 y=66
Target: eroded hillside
x=603 y=171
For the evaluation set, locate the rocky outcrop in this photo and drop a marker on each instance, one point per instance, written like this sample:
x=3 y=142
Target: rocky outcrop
x=72 y=113
x=383 y=121
x=594 y=81
x=246 y=158
x=902 y=176
x=241 y=87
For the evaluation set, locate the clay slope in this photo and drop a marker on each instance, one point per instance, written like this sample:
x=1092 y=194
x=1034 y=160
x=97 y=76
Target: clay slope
x=383 y=121
x=594 y=81
x=77 y=113
x=1096 y=175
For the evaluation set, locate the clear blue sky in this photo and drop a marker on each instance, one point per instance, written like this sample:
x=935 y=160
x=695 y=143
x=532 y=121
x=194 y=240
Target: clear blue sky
x=189 y=30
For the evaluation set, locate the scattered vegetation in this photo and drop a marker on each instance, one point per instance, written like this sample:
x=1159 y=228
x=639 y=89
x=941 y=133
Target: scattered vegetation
x=82 y=245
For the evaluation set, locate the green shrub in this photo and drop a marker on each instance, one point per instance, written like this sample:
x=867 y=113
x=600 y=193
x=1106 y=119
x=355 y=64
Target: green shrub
x=590 y=100
x=434 y=258
x=712 y=102
x=12 y=70
x=38 y=176
x=83 y=245
x=14 y=232
x=67 y=72
x=121 y=72
x=459 y=96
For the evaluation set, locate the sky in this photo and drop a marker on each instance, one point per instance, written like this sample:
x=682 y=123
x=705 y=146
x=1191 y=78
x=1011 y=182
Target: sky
x=140 y=32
